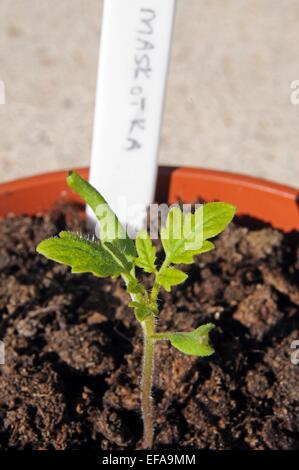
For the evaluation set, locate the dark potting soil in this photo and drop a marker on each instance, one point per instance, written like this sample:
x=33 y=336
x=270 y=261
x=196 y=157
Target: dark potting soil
x=73 y=348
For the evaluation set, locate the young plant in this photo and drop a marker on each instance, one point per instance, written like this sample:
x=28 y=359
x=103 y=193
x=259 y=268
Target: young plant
x=115 y=254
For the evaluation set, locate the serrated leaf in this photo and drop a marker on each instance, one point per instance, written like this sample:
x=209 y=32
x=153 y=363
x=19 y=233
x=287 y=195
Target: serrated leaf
x=185 y=236
x=118 y=256
x=187 y=257
x=146 y=252
x=111 y=228
x=169 y=277
x=142 y=311
x=182 y=237
x=81 y=254
x=193 y=343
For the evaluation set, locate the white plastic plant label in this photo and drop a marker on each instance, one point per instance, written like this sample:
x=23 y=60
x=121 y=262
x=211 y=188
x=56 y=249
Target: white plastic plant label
x=133 y=65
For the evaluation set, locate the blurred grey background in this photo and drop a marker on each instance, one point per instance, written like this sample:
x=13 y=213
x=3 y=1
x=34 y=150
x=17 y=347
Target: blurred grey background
x=228 y=102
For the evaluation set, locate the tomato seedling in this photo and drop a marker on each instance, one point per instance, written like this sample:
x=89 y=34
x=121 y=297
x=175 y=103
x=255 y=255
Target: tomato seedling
x=116 y=254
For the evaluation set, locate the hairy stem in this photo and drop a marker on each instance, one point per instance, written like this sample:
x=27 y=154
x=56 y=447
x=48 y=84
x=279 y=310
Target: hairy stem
x=147 y=382
x=156 y=287
x=155 y=291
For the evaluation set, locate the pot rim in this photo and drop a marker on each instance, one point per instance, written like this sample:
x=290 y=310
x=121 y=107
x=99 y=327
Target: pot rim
x=220 y=175
x=272 y=202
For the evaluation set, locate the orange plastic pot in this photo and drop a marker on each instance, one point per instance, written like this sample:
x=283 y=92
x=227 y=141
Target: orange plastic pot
x=271 y=202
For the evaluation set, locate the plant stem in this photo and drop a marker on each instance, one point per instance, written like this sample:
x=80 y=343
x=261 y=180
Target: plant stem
x=147 y=382
x=161 y=336
x=156 y=287
x=155 y=291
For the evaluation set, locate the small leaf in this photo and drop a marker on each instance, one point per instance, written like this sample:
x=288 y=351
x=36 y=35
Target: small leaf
x=185 y=236
x=187 y=257
x=182 y=236
x=142 y=311
x=135 y=288
x=216 y=217
x=80 y=253
x=111 y=229
x=193 y=343
x=146 y=252
x=169 y=277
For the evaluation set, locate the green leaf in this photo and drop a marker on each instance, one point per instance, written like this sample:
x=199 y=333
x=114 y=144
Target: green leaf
x=142 y=311
x=187 y=257
x=169 y=277
x=182 y=237
x=216 y=217
x=185 y=236
x=118 y=256
x=111 y=229
x=146 y=252
x=135 y=288
x=81 y=254
x=193 y=343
